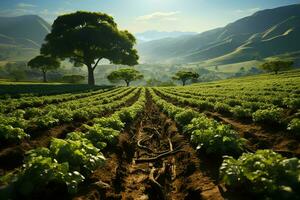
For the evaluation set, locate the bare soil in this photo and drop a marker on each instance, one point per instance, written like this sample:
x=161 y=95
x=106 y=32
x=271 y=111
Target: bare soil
x=152 y=161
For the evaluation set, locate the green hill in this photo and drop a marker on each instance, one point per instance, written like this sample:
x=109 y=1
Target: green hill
x=21 y=37
x=264 y=34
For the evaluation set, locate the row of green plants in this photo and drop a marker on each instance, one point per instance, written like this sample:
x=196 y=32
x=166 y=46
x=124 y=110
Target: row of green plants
x=72 y=160
x=263 y=174
x=205 y=134
x=34 y=101
x=15 y=127
x=237 y=98
x=258 y=112
x=7 y=106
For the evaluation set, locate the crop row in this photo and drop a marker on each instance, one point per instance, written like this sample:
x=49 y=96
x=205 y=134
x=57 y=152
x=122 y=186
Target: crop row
x=13 y=127
x=256 y=111
x=236 y=98
x=70 y=161
x=24 y=102
x=264 y=173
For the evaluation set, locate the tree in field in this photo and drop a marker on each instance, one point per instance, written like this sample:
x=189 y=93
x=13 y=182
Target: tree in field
x=276 y=66
x=85 y=38
x=184 y=76
x=126 y=74
x=45 y=64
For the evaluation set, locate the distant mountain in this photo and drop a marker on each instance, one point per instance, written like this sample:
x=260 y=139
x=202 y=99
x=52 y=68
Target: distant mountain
x=264 y=34
x=21 y=36
x=156 y=35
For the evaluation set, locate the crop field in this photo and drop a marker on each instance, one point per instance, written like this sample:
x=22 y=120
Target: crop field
x=232 y=139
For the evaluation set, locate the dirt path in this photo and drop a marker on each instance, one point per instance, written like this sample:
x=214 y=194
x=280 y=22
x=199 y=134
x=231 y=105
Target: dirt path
x=153 y=161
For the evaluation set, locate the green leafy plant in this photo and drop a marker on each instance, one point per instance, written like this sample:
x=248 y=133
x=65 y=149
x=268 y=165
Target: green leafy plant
x=241 y=113
x=80 y=154
x=11 y=134
x=264 y=173
x=294 y=126
x=185 y=117
x=271 y=115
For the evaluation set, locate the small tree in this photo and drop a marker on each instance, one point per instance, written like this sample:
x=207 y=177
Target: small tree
x=276 y=66
x=85 y=38
x=184 y=76
x=126 y=74
x=45 y=64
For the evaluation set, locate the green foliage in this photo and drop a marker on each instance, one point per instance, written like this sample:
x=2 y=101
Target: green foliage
x=294 y=126
x=113 y=122
x=11 y=134
x=86 y=38
x=126 y=74
x=293 y=103
x=40 y=170
x=270 y=115
x=241 y=113
x=80 y=154
x=265 y=173
x=275 y=66
x=185 y=75
x=44 y=63
x=101 y=136
x=222 y=108
x=45 y=121
x=185 y=117
x=214 y=138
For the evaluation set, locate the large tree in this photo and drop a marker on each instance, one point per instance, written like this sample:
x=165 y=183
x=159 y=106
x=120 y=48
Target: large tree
x=184 y=76
x=276 y=66
x=85 y=38
x=126 y=74
x=45 y=64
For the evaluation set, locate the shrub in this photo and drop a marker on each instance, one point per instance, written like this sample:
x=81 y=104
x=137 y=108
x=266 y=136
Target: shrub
x=11 y=134
x=222 y=108
x=219 y=139
x=271 y=115
x=113 y=122
x=241 y=113
x=264 y=173
x=294 y=126
x=185 y=117
x=80 y=154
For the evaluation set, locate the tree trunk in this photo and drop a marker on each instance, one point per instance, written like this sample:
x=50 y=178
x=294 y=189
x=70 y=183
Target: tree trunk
x=91 y=78
x=183 y=82
x=44 y=77
x=127 y=83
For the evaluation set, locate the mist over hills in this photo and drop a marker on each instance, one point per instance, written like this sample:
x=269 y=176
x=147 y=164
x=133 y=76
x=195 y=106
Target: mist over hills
x=265 y=33
x=156 y=35
x=22 y=36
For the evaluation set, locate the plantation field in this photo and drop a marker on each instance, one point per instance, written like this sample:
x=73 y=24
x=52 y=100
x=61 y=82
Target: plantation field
x=230 y=139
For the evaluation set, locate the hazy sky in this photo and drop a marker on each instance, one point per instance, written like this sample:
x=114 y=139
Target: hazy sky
x=142 y=15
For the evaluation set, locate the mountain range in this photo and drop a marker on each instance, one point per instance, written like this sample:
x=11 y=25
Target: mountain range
x=156 y=35
x=266 y=33
x=22 y=36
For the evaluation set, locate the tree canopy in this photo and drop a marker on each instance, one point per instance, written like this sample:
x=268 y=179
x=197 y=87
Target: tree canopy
x=276 y=66
x=185 y=76
x=85 y=38
x=44 y=63
x=126 y=74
